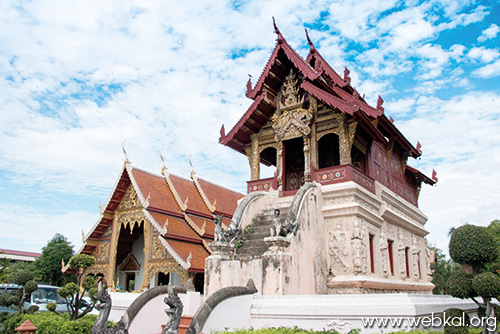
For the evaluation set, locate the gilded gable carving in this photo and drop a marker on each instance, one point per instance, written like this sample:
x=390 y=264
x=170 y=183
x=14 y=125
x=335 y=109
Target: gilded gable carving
x=108 y=232
x=293 y=121
x=130 y=200
x=158 y=251
x=102 y=252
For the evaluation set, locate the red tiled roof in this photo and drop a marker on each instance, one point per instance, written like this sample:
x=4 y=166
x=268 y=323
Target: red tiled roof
x=177 y=227
x=322 y=82
x=157 y=188
x=198 y=251
x=187 y=190
x=180 y=235
x=200 y=221
x=225 y=200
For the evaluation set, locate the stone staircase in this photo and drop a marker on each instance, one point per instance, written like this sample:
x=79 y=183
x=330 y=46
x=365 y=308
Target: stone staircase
x=253 y=244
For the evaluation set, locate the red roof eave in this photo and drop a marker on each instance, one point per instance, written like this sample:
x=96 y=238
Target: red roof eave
x=303 y=66
x=393 y=130
x=419 y=175
x=226 y=140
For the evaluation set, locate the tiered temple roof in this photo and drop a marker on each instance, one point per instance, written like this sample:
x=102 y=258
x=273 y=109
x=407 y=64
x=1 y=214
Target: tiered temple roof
x=321 y=81
x=180 y=210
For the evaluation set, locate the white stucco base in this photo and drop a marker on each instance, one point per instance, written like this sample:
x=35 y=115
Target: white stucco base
x=339 y=312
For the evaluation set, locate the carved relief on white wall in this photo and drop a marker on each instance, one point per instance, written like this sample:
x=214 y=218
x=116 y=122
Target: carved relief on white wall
x=337 y=245
x=415 y=250
x=402 y=244
x=358 y=245
x=384 y=254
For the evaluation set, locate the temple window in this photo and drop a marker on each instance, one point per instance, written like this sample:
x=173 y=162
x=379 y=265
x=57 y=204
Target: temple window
x=268 y=162
x=407 y=250
x=391 y=259
x=358 y=159
x=418 y=265
x=328 y=151
x=372 y=262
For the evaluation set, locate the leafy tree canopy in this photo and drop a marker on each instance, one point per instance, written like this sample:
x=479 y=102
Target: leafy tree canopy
x=472 y=245
x=49 y=263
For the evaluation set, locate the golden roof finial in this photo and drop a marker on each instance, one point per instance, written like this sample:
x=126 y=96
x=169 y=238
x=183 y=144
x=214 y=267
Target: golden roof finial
x=125 y=152
x=163 y=168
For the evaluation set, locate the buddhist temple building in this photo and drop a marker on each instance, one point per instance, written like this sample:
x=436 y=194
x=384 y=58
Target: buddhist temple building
x=343 y=194
x=155 y=229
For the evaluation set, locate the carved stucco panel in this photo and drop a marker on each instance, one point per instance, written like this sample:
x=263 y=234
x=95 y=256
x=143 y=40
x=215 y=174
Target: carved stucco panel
x=338 y=248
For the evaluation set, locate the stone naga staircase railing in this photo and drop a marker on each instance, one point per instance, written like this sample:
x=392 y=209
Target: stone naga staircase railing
x=234 y=229
x=297 y=203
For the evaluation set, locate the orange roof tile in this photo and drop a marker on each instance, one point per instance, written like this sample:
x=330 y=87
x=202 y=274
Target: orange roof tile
x=157 y=188
x=200 y=221
x=198 y=251
x=227 y=200
x=186 y=189
x=177 y=227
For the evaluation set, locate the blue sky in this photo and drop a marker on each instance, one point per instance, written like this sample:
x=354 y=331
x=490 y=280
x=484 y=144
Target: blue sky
x=77 y=78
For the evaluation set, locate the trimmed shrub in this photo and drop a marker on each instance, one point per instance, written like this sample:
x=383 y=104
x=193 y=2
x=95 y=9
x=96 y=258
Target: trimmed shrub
x=457 y=313
x=460 y=286
x=23 y=276
x=472 y=245
x=51 y=323
x=486 y=285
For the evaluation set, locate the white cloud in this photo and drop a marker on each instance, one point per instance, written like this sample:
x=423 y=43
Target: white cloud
x=489 y=33
x=483 y=54
x=460 y=141
x=488 y=71
x=30 y=227
x=400 y=107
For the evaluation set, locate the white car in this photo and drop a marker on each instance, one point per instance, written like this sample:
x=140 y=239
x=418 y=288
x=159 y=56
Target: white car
x=40 y=297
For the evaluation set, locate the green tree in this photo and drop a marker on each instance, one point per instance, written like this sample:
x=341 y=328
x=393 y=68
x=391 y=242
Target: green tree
x=48 y=265
x=4 y=264
x=74 y=292
x=493 y=229
x=474 y=248
x=442 y=270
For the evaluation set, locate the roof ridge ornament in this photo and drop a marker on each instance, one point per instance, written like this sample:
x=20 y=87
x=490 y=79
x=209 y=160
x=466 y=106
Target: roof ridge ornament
x=281 y=39
x=434 y=176
x=222 y=132
x=419 y=147
x=249 y=84
x=347 y=78
x=312 y=49
x=192 y=174
x=380 y=102
x=127 y=161
x=163 y=167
